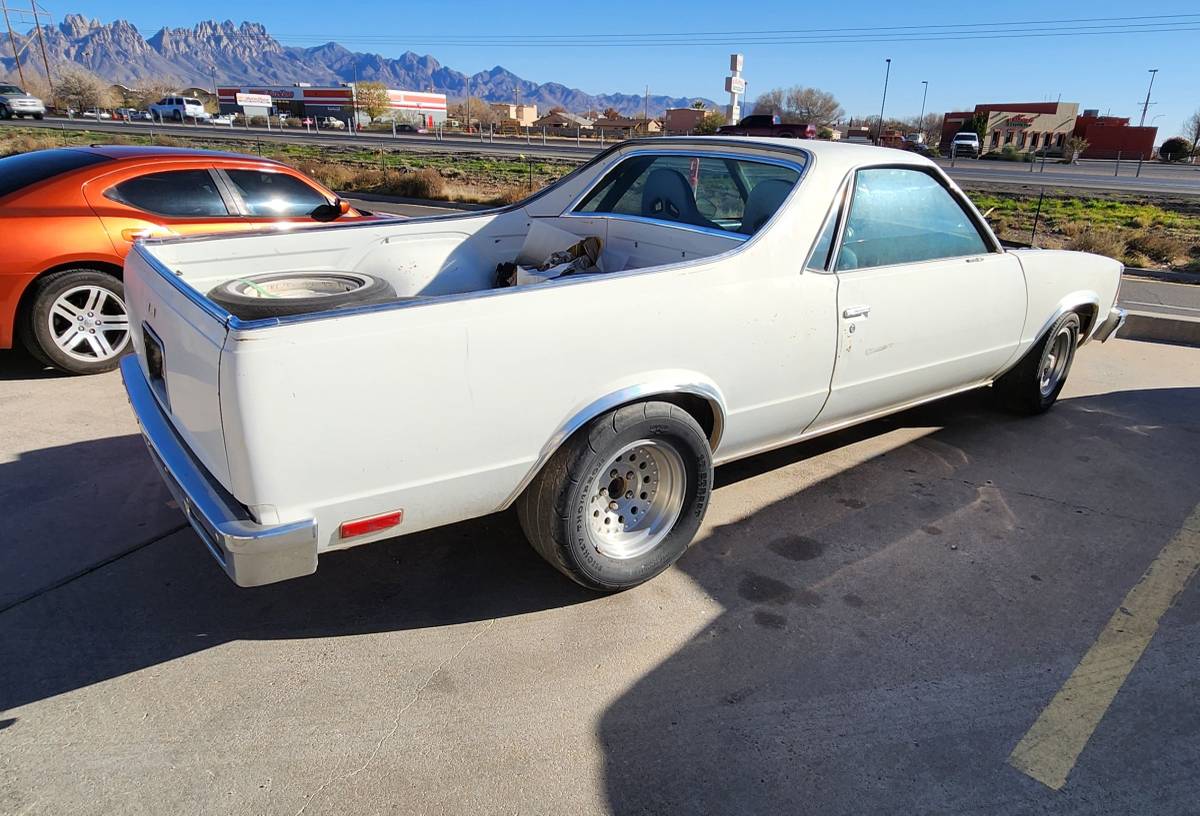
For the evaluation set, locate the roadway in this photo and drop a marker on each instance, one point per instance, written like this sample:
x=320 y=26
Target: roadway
x=1151 y=177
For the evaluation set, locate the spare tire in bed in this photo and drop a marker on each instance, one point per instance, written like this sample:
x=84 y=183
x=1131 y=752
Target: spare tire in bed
x=276 y=294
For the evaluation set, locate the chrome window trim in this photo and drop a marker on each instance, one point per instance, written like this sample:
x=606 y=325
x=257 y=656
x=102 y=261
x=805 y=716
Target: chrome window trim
x=837 y=210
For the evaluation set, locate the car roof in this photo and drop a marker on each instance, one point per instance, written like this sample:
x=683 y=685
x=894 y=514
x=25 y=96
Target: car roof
x=845 y=154
x=131 y=152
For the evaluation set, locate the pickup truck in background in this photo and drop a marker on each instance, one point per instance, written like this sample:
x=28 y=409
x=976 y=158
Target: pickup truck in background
x=965 y=143
x=768 y=125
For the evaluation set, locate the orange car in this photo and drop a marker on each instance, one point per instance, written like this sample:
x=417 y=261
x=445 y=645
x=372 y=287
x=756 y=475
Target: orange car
x=68 y=216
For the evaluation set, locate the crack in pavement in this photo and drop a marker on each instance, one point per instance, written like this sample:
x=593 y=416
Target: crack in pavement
x=424 y=684
x=37 y=593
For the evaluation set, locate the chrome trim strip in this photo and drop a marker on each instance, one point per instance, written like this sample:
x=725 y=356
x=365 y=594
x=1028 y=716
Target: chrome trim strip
x=249 y=552
x=189 y=292
x=633 y=393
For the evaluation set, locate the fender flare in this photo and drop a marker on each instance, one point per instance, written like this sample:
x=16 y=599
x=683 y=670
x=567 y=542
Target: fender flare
x=660 y=384
x=1072 y=303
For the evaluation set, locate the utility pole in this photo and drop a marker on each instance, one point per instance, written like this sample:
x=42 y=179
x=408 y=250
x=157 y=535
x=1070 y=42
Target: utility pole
x=924 y=94
x=883 y=103
x=1146 y=104
x=13 y=41
x=646 y=108
x=37 y=26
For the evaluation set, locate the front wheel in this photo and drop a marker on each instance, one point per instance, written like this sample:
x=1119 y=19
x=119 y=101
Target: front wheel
x=39 y=116
x=77 y=321
x=622 y=499
x=5 y=113
x=1034 y=384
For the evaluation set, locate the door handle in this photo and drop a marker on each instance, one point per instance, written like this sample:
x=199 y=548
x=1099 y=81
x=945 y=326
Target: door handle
x=856 y=311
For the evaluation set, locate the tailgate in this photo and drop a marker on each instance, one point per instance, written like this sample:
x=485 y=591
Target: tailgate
x=178 y=337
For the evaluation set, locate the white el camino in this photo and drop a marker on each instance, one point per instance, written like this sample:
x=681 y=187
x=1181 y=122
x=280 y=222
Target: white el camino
x=748 y=293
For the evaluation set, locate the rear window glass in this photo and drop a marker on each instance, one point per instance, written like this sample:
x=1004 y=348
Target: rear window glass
x=179 y=193
x=24 y=169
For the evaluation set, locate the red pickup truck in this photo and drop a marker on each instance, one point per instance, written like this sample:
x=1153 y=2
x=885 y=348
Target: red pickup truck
x=768 y=125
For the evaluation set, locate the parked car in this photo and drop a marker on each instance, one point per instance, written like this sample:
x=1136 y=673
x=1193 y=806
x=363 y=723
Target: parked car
x=405 y=127
x=768 y=125
x=95 y=113
x=15 y=102
x=745 y=294
x=221 y=119
x=333 y=123
x=178 y=108
x=69 y=216
x=966 y=143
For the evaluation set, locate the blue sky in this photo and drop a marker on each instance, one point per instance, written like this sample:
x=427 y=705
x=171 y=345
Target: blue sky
x=1108 y=71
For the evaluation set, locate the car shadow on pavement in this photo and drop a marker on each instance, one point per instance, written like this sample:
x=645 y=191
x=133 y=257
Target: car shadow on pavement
x=889 y=633
x=17 y=364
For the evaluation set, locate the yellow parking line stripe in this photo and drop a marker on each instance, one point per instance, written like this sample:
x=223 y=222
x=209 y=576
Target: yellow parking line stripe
x=1050 y=748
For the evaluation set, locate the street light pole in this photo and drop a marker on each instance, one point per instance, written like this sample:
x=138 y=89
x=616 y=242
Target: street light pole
x=1146 y=104
x=887 y=74
x=924 y=94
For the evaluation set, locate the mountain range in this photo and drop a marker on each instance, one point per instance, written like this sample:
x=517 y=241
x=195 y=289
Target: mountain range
x=211 y=52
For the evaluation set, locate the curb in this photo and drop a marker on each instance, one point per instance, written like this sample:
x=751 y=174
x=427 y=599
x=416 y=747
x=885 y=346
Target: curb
x=1157 y=328
x=1165 y=275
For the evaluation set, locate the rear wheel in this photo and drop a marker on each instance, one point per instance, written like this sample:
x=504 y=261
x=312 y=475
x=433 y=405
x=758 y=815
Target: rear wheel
x=1034 y=384
x=621 y=500
x=77 y=321
x=39 y=116
x=5 y=113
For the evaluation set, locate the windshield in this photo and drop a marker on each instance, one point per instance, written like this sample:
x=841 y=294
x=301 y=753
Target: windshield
x=10 y=89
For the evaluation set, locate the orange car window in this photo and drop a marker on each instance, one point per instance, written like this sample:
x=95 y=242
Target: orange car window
x=275 y=195
x=179 y=193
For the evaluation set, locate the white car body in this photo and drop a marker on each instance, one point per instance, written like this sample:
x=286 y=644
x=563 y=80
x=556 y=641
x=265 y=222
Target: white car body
x=178 y=108
x=275 y=432
x=222 y=119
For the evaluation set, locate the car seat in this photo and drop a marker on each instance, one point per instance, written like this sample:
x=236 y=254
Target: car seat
x=668 y=196
x=762 y=203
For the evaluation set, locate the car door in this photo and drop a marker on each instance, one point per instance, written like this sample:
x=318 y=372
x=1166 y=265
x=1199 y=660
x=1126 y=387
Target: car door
x=155 y=199
x=927 y=302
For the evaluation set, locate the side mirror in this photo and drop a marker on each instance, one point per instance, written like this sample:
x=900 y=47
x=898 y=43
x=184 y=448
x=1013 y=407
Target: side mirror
x=330 y=212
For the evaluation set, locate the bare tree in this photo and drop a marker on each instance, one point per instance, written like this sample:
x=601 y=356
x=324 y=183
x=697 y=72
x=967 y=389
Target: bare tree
x=82 y=90
x=612 y=113
x=480 y=112
x=800 y=105
x=373 y=99
x=1191 y=130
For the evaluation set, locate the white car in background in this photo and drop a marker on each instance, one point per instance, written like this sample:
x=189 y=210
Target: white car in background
x=15 y=102
x=96 y=114
x=178 y=108
x=319 y=389
x=221 y=119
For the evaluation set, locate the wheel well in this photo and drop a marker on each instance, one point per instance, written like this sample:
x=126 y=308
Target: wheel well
x=99 y=266
x=700 y=409
x=1087 y=318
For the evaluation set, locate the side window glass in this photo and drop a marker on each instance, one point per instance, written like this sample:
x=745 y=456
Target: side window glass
x=275 y=195
x=730 y=195
x=179 y=193
x=902 y=216
x=818 y=261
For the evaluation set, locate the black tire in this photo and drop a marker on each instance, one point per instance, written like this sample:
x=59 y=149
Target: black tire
x=1024 y=389
x=556 y=509
x=39 y=116
x=345 y=289
x=5 y=113
x=34 y=327
x=178 y=116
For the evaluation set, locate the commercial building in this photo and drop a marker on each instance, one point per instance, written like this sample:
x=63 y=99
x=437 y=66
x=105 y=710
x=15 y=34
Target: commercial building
x=683 y=120
x=1034 y=126
x=302 y=100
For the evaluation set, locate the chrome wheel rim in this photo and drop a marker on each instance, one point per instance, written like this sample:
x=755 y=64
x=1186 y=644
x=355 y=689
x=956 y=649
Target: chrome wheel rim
x=634 y=501
x=89 y=323
x=1055 y=362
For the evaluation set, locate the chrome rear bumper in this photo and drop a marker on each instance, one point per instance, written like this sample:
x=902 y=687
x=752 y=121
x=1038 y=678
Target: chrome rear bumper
x=251 y=554
x=1111 y=324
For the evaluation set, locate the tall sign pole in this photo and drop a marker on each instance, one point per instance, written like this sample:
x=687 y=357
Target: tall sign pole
x=736 y=85
x=883 y=102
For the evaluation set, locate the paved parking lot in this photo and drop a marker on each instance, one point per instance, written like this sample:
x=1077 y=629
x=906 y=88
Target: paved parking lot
x=941 y=612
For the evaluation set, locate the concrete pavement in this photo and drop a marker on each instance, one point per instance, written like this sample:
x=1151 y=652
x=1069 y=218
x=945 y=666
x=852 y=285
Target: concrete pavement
x=867 y=623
